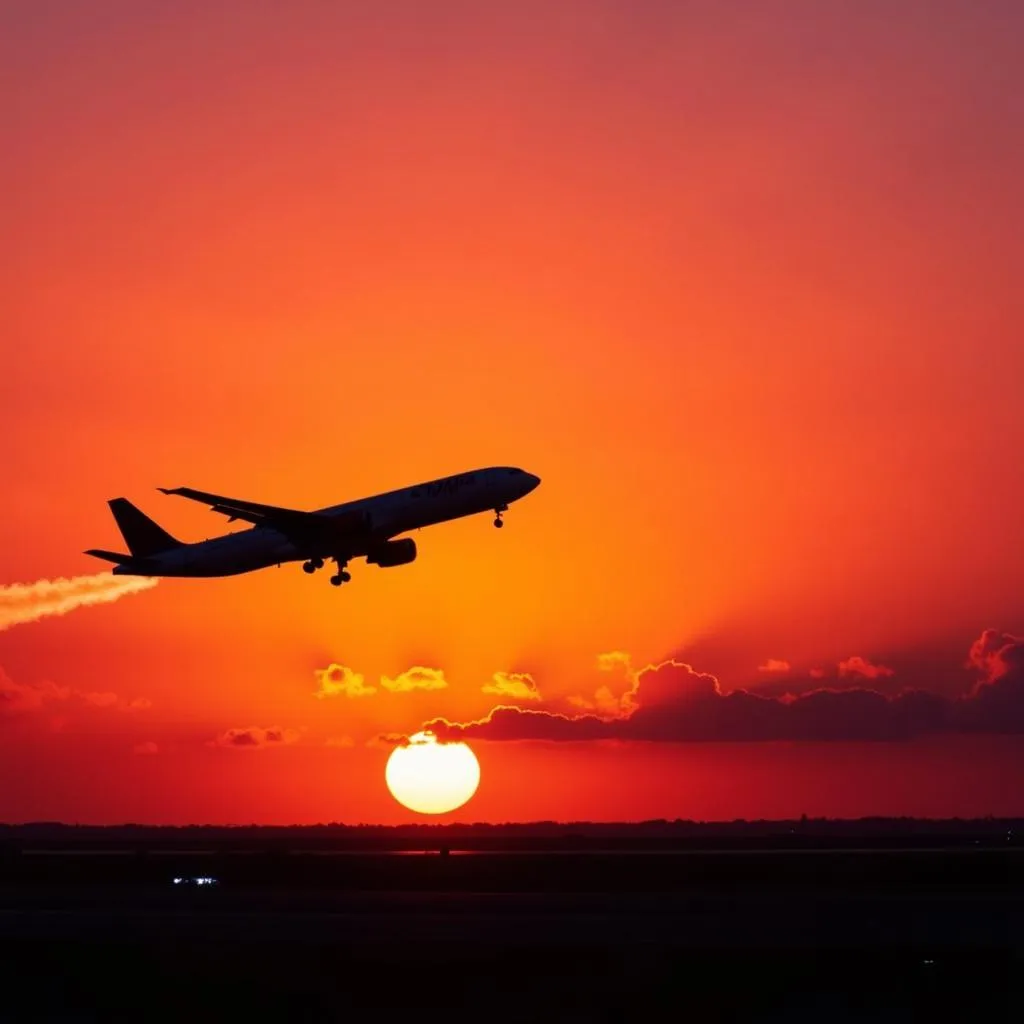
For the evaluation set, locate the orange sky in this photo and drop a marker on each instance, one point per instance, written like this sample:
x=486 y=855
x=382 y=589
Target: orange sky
x=739 y=282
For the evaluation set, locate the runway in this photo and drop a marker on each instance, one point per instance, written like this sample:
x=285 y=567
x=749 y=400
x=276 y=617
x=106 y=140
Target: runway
x=590 y=935
x=704 y=919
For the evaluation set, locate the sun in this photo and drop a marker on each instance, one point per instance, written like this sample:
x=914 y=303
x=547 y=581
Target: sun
x=430 y=777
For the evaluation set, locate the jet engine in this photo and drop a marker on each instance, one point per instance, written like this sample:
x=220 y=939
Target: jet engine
x=393 y=552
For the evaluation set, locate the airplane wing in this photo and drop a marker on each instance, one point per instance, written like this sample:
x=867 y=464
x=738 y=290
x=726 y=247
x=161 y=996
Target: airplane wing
x=304 y=528
x=250 y=511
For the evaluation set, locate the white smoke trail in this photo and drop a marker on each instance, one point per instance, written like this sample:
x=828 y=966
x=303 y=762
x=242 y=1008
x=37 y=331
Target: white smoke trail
x=29 y=602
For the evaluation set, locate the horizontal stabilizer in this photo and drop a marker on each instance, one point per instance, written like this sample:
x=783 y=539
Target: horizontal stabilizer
x=109 y=556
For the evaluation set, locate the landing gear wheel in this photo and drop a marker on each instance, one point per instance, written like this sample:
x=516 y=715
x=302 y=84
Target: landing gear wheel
x=341 y=576
x=498 y=522
x=308 y=567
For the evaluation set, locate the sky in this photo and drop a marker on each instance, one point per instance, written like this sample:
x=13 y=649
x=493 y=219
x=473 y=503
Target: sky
x=737 y=281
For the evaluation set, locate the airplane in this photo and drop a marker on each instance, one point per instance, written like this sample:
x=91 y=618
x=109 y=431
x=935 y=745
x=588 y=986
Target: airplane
x=367 y=528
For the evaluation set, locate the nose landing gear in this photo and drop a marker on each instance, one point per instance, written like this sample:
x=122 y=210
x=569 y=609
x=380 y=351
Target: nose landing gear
x=498 y=521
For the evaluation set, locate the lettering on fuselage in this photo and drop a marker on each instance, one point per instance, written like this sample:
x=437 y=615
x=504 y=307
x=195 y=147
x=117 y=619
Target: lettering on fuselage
x=436 y=488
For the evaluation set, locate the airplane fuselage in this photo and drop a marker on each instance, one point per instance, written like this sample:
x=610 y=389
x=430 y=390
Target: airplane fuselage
x=380 y=519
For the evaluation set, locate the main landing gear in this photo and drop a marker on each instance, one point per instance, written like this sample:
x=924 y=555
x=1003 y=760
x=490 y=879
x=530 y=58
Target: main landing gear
x=498 y=521
x=341 y=576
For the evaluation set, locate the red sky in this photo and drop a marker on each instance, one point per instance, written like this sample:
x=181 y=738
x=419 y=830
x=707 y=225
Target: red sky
x=739 y=282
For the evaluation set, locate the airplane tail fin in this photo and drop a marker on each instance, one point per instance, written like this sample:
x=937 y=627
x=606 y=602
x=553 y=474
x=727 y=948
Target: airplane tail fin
x=143 y=536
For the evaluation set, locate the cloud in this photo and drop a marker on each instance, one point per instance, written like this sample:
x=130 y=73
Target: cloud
x=19 y=697
x=740 y=716
x=617 y=697
x=996 y=704
x=255 y=738
x=604 y=702
x=106 y=699
x=774 y=665
x=858 y=666
x=146 y=748
x=675 y=703
x=338 y=679
x=23 y=697
x=101 y=700
x=388 y=740
x=995 y=654
x=416 y=678
x=612 y=660
x=28 y=602
x=513 y=686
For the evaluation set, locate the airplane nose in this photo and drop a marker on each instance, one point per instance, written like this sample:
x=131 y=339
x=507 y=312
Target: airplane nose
x=534 y=481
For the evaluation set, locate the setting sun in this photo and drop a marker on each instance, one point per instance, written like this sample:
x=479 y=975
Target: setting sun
x=431 y=777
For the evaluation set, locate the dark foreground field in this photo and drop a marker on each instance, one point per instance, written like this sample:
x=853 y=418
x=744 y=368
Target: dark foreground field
x=783 y=935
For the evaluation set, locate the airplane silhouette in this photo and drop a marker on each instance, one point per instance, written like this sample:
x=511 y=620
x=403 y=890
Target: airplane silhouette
x=368 y=527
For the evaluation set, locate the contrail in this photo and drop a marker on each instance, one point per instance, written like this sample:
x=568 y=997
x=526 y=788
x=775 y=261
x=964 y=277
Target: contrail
x=29 y=602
